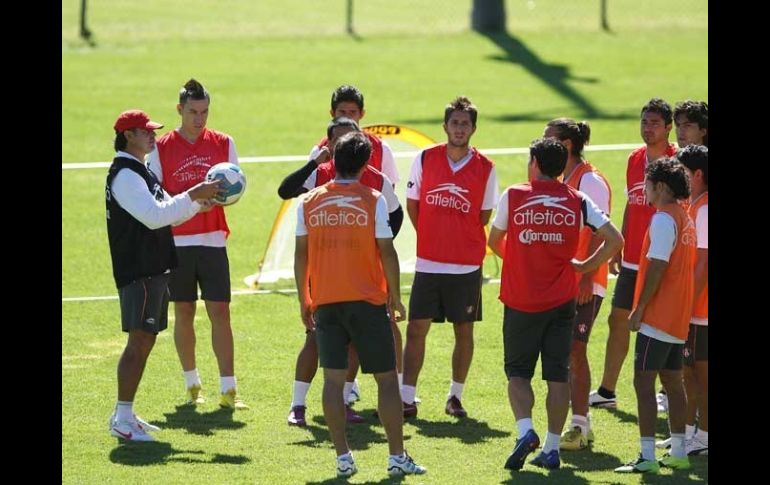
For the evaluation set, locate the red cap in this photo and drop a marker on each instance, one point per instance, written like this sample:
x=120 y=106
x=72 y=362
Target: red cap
x=135 y=118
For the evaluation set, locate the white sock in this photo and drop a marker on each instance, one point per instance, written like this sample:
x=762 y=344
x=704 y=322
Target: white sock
x=648 y=447
x=356 y=389
x=408 y=393
x=125 y=411
x=226 y=383
x=346 y=391
x=400 y=380
x=551 y=442
x=191 y=378
x=703 y=436
x=524 y=425
x=677 y=445
x=299 y=394
x=456 y=390
x=397 y=457
x=689 y=431
x=347 y=456
x=581 y=422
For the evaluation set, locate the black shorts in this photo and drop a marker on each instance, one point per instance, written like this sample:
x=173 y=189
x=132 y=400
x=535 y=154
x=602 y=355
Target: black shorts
x=548 y=334
x=653 y=354
x=206 y=265
x=144 y=304
x=440 y=297
x=623 y=297
x=366 y=325
x=584 y=318
x=696 y=349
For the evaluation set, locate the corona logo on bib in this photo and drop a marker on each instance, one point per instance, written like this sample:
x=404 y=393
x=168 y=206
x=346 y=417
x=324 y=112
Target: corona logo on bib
x=338 y=210
x=233 y=182
x=449 y=195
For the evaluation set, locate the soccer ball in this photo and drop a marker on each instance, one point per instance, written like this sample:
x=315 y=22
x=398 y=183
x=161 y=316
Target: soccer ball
x=234 y=182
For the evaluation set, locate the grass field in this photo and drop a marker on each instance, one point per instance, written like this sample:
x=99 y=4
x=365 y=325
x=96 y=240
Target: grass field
x=270 y=71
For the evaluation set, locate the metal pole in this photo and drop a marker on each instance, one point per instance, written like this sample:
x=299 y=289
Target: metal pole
x=349 y=15
x=603 y=13
x=84 y=32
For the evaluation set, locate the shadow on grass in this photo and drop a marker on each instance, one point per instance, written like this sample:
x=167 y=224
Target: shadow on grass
x=188 y=418
x=360 y=436
x=590 y=460
x=333 y=481
x=133 y=453
x=561 y=476
x=467 y=430
x=661 y=425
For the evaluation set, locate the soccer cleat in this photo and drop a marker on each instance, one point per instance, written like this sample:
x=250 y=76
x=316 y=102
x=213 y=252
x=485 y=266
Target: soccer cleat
x=410 y=410
x=695 y=447
x=662 y=400
x=548 y=460
x=404 y=465
x=573 y=440
x=351 y=415
x=130 y=431
x=346 y=467
x=598 y=401
x=297 y=416
x=669 y=461
x=353 y=396
x=455 y=408
x=231 y=400
x=194 y=395
x=145 y=425
x=663 y=444
x=640 y=465
x=524 y=446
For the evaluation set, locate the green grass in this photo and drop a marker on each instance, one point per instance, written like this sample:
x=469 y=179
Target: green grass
x=270 y=68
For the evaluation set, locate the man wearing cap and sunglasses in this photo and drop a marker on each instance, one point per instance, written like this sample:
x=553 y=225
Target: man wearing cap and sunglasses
x=139 y=216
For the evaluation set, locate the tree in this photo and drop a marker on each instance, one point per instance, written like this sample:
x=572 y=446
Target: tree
x=488 y=16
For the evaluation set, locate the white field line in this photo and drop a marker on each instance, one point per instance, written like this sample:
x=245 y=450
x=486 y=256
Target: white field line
x=287 y=291
x=409 y=154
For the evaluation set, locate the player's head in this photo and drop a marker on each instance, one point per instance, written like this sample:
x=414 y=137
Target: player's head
x=695 y=158
x=135 y=132
x=548 y=156
x=338 y=127
x=351 y=152
x=574 y=134
x=664 y=178
x=655 y=124
x=193 y=106
x=347 y=101
x=692 y=123
x=460 y=121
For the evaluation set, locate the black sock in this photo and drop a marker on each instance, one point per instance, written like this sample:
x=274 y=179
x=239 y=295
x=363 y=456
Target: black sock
x=603 y=392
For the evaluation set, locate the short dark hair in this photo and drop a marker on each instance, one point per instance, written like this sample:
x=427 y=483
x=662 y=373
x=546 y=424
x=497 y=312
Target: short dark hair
x=669 y=171
x=695 y=157
x=461 y=103
x=550 y=154
x=340 y=121
x=194 y=90
x=347 y=92
x=121 y=142
x=351 y=152
x=578 y=132
x=657 y=105
x=695 y=112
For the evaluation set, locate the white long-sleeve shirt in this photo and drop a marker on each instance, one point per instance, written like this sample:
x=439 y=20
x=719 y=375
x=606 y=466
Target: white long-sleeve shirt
x=130 y=192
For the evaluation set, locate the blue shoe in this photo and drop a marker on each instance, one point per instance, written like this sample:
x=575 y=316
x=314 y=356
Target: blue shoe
x=548 y=460
x=524 y=446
